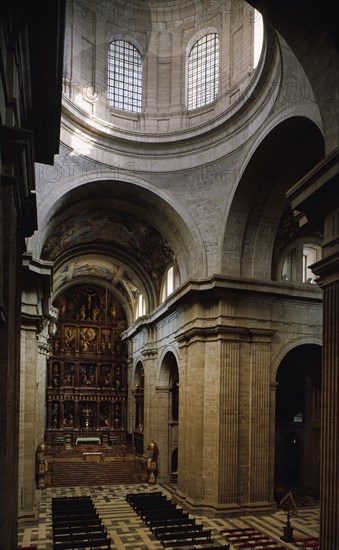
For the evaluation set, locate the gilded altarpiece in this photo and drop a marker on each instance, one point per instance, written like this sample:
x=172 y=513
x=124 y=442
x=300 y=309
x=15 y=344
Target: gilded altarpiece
x=87 y=369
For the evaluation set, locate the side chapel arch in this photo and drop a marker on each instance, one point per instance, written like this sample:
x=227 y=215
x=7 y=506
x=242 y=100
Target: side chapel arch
x=168 y=414
x=297 y=429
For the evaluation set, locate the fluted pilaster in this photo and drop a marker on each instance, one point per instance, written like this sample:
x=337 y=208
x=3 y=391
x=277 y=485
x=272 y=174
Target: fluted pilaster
x=259 y=423
x=329 y=461
x=229 y=407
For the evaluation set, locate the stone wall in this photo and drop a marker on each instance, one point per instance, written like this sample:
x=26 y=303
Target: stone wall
x=229 y=342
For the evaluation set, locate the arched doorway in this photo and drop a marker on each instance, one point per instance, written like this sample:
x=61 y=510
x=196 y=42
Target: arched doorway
x=138 y=393
x=298 y=421
x=168 y=407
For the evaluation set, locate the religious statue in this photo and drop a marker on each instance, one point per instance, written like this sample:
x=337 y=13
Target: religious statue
x=41 y=467
x=55 y=379
x=63 y=308
x=87 y=413
x=89 y=295
x=152 y=462
x=105 y=379
x=69 y=337
x=55 y=415
x=56 y=346
x=104 y=417
x=68 y=415
x=95 y=313
x=82 y=313
x=87 y=375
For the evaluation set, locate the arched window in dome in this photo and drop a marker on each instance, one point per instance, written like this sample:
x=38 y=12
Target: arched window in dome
x=170 y=281
x=258 y=37
x=124 y=76
x=140 y=309
x=203 y=71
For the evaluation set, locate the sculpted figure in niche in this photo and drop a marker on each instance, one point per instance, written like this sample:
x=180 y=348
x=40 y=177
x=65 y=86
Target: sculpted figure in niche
x=68 y=415
x=86 y=415
x=69 y=378
x=87 y=376
x=82 y=313
x=113 y=311
x=105 y=378
x=117 y=381
x=89 y=295
x=56 y=346
x=69 y=337
x=95 y=313
x=104 y=416
x=55 y=378
x=55 y=415
x=117 y=415
x=63 y=308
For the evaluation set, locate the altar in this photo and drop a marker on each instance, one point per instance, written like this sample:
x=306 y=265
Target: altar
x=88 y=441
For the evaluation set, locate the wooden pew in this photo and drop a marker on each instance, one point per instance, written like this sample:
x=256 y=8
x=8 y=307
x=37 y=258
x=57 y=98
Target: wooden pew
x=168 y=539
x=181 y=520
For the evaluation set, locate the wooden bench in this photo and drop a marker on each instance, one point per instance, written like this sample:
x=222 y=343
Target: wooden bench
x=182 y=520
x=263 y=545
x=245 y=535
x=71 y=529
x=133 y=497
x=173 y=529
x=76 y=524
x=238 y=530
x=103 y=544
x=250 y=543
x=306 y=542
x=160 y=514
x=168 y=539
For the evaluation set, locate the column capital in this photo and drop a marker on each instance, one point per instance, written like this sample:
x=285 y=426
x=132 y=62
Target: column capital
x=327 y=271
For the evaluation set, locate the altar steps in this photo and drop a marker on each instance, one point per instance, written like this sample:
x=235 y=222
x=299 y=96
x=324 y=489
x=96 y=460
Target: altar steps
x=74 y=472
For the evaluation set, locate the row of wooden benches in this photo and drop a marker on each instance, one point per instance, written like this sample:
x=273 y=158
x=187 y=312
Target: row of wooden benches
x=249 y=538
x=168 y=522
x=77 y=525
x=305 y=543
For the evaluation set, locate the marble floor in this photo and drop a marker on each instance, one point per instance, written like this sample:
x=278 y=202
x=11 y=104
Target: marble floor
x=128 y=532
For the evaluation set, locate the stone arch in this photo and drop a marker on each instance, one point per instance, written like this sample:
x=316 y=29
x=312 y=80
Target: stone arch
x=297 y=424
x=137 y=407
x=168 y=375
x=286 y=347
x=169 y=359
x=315 y=43
x=151 y=204
x=289 y=150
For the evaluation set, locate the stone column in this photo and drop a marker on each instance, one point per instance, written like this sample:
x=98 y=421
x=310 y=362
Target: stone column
x=328 y=270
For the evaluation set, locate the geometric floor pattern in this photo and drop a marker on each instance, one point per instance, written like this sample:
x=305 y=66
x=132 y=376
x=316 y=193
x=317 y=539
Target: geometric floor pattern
x=128 y=532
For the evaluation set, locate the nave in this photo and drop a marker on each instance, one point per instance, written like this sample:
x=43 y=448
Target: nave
x=128 y=532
